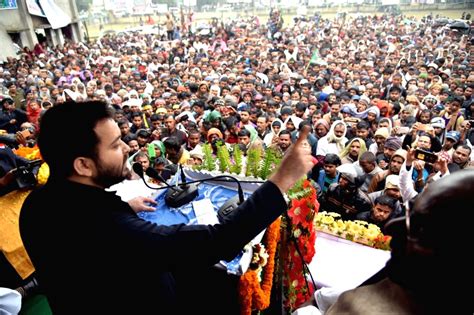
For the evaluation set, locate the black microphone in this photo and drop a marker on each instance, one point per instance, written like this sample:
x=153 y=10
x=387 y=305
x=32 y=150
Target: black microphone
x=153 y=173
x=183 y=177
x=138 y=169
x=182 y=193
x=232 y=203
x=185 y=192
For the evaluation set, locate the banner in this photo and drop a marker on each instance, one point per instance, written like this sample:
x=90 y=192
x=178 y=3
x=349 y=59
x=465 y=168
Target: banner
x=55 y=15
x=34 y=8
x=8 y=4
x=315 y=58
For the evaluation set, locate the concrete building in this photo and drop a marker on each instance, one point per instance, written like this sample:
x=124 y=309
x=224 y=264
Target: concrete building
x=25 y=22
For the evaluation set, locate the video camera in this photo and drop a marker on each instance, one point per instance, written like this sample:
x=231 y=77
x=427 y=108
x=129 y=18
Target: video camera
x=25 y=175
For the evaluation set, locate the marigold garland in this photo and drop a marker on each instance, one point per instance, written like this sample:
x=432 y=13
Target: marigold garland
x=254 y=295
x=28 y=153
x=301 y=229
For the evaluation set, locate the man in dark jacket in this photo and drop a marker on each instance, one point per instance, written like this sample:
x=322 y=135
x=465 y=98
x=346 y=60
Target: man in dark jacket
x=345 y=197
x=94 y=255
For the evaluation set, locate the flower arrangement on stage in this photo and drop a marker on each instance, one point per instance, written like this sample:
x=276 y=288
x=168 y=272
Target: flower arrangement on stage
x=356 y=231
x=300 y=245
x=255 y=285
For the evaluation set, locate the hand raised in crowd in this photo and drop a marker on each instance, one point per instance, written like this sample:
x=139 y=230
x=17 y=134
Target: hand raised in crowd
x=465 y=126
x=410 y=156
x=395 y=130
x=441 y=165
x=430 y=130
x=156 y=134
x=419 y=165
x=142 y=204
x=295 y=164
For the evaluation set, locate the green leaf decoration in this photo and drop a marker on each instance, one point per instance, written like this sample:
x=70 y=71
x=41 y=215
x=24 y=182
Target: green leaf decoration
x=236 y=168
x=298 y=192
x=230 y=159
x=253 y=162
x=268 y=163
x=224 y=158
x=209 y=163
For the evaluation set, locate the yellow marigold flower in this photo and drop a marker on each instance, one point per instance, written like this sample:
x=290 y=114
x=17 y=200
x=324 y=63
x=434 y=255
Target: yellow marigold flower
x=43 y=174
x=372 y=234
x=327 y=220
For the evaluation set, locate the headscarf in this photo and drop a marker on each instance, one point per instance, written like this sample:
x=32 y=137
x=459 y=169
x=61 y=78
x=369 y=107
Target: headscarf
x=381 y=104
x=277 y=120
x=213 y=116
x=332 y=138
x=322 y=122
x=352 y=110
x=253 y=132
x=214 y=131
x=374 y=109
x=267 y=140
x=347 y=149
x=160 y=145
x=295 y=120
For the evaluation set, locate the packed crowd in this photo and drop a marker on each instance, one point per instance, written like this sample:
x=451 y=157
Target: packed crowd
x=389 y=99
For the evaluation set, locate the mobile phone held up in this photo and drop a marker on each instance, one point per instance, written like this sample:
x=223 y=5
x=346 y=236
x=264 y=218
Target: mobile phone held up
x=426 y=156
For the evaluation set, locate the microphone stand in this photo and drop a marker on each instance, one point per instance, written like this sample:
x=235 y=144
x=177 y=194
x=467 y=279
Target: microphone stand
x=185 y=192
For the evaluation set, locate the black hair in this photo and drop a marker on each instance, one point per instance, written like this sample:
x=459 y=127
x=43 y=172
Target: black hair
x=368 y=157
x=129 y=137
x=230 y=121
x=199 y=103
x=305 y=123
x=172 y=143
x=140 y=154
x=143 y=133
x=56 y=120
x=244 y=133
x=465 y=147
x=301 y=107
x=362 y=125
x=333 y=159
x=385 y=200
x=395 y=89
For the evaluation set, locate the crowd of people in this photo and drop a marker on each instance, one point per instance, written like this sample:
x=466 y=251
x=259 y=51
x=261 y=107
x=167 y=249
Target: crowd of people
x=389 y=100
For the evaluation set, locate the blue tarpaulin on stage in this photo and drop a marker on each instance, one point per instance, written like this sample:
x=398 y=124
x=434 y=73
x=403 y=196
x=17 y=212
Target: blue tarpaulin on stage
x=185 y=214
x=165 y=215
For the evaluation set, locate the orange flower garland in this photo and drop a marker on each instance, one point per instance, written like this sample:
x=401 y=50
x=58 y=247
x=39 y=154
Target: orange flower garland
x=28 y=153
x=301 y=230
x=253 y=295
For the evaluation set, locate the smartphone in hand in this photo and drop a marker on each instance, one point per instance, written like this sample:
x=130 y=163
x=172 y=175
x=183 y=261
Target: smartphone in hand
x=26 y=133
x=427 y=156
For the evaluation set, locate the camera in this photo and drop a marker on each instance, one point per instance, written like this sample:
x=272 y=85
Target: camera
x=25 y=175
x=426 y=156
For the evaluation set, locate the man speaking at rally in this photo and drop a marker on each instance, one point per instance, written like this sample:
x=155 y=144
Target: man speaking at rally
x=91 y=251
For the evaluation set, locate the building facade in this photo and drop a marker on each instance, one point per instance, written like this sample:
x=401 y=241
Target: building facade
x=23 y=23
